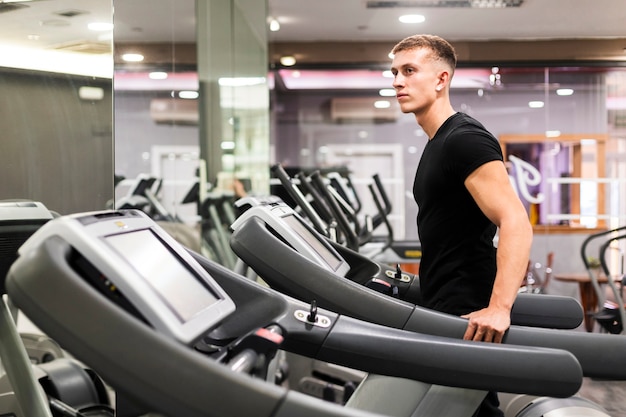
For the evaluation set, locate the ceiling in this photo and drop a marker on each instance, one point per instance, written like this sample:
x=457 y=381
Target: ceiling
x=46 y=24
x=308 y=21
x=61 y=24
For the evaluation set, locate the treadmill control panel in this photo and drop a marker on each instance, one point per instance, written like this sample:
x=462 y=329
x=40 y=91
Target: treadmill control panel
x=135 y=263
x=294 y=230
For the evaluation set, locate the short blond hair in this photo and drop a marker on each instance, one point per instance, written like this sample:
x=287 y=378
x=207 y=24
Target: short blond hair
x=441 y=49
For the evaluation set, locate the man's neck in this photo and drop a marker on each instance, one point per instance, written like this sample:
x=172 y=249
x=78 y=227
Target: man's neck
x=432 y=120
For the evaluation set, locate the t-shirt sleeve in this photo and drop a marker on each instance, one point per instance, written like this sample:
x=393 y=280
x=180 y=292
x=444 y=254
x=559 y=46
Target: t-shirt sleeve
x=467 y=150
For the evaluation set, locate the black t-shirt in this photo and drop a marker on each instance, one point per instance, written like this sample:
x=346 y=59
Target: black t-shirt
x=458 y=264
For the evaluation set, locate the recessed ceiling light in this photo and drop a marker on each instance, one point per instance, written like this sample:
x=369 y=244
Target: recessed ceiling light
x=412 y=18
x=227 y=144
x=388 y=74
x=564 y=92
x=387 y=92
x=288 y=60
x=382 y=104
x=132 y=57
x=274 y=25
x=158 y=75
x=189 y=95
x=535 y=104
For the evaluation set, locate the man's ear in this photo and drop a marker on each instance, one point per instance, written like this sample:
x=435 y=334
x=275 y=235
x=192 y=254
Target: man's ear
x=443 y=79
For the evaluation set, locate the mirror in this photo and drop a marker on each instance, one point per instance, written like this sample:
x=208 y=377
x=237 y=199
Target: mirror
x=58 y=106
x=191 y=113
x=55 y=78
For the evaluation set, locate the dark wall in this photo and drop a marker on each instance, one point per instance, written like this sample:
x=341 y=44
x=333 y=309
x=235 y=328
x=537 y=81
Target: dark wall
x=55 y=147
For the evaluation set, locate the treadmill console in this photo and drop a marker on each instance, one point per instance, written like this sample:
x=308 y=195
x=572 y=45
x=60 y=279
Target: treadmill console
x=135 y=263
x=292 y=228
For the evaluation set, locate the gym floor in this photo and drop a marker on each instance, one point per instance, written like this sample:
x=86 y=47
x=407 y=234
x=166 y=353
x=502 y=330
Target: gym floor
x=609 y=394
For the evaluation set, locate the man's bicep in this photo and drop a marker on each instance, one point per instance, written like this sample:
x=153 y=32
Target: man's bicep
x=491 y=188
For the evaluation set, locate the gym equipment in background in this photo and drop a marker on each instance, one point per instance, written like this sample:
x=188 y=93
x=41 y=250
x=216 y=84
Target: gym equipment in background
x=610 y=314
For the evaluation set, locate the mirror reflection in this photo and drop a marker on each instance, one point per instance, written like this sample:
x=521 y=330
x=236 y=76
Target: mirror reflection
x=56 y=103
x=191 y=114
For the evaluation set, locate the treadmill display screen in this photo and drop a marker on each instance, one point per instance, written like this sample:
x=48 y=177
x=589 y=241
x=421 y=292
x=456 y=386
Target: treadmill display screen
x=330 y=258
x=175 y=284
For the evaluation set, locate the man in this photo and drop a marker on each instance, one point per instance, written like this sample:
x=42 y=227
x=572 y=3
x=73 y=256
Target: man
x=464 y=195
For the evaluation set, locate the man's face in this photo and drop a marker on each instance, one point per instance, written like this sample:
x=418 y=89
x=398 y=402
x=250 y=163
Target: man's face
x=415 y=80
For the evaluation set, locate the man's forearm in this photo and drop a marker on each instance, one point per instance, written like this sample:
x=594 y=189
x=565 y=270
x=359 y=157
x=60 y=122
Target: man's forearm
x=512 y=260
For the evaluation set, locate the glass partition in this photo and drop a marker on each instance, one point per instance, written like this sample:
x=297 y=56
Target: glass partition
x=191 y=113
x=249 y=92
x=562 y=130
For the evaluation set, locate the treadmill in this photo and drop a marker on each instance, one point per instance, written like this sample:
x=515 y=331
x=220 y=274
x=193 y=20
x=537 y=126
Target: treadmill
x=273 y=216
x=181 y=335
x=36 y=379
x=337 y=280
x=563 y=312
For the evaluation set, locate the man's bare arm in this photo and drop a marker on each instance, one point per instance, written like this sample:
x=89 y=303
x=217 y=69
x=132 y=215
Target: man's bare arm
x=490 y=187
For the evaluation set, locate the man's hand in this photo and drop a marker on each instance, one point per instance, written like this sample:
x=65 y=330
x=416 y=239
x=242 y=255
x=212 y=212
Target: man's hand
x=487 y=325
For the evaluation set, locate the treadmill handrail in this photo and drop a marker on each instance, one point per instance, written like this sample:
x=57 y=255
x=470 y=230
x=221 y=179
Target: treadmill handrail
x=296 y=194
x=346 y=342
x=322 y=208
x=383 y=219
x=347 y=297
x=427 y=358
x=352 y=239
